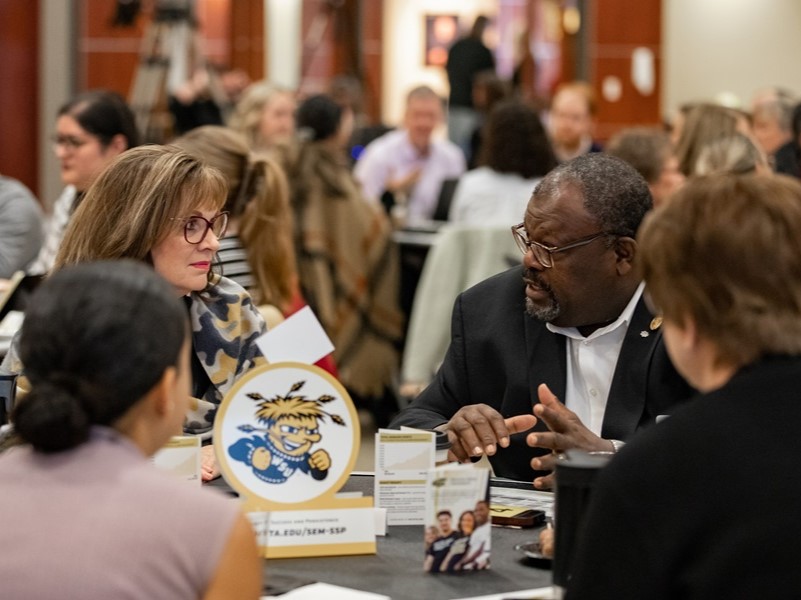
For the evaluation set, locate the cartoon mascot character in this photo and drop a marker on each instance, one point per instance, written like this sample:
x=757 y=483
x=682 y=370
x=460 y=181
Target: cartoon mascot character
x=291 y=428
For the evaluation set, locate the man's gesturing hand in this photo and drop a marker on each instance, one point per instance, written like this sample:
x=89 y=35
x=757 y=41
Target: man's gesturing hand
x=478 y=429
x=566 y=431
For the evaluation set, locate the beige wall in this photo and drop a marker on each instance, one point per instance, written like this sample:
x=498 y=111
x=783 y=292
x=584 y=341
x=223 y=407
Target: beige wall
x=403 y=65
x=710 y=47
x=736 y=46
x=56 y=76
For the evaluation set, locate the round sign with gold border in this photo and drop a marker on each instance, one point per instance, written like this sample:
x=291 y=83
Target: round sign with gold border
x=288 y=434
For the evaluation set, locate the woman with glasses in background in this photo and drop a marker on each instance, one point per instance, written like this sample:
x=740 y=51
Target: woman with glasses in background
x=159 y=205
x=91 y=130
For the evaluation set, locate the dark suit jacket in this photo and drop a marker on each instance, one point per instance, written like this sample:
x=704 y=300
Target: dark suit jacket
x=499 y=355
x=706 y=504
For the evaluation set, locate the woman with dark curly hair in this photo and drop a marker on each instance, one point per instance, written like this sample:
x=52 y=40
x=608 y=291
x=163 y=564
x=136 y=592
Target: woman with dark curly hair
x=515 y=154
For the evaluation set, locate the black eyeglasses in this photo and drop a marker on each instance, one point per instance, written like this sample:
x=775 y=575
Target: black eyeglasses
x=196 y=227
x=69 y=142
x=544 y=253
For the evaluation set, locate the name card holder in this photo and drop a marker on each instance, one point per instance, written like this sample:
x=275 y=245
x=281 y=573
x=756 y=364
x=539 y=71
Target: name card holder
x=180 y=457
x=286 y=439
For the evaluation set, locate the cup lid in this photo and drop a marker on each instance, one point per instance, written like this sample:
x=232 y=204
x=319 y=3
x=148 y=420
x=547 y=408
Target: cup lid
x=442 y=441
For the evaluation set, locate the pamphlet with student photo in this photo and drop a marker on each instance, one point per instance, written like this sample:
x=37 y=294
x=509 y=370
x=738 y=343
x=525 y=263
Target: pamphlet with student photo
x=457 y=529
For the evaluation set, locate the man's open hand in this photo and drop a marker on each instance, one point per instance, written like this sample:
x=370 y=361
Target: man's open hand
x=566 y=431
x=479 y=429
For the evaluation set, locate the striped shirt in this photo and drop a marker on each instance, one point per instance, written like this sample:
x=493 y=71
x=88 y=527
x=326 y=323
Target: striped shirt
x=233 y=261
x=54 y=232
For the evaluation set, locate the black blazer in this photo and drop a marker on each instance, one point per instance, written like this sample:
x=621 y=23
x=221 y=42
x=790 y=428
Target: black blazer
x=499 y=355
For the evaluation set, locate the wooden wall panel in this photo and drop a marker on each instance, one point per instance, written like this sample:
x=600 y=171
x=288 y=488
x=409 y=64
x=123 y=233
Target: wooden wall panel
x=19 y=101
x=246 y=35
x=108 y=56
x=317 y=38
x=372 y=15
x=616 y=29
x=626 y=22
x=633 y=108
x=344 y=38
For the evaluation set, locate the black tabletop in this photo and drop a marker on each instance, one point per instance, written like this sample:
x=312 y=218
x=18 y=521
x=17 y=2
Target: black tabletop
x=396 y=570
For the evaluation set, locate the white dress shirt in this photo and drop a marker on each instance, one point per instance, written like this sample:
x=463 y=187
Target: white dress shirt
x=54 y=232
x=591 y=363
x=487 y=198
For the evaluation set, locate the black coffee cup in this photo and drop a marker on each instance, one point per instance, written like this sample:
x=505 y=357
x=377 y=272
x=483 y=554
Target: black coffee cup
x=576 y=471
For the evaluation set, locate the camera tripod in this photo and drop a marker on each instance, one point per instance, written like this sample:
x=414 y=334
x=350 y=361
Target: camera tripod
x=170 y=53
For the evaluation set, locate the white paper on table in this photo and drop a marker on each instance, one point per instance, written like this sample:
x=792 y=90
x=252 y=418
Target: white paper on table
x=300 y=338
x=532 y=498
x=180 y=457
x=260 y=521
x=544 y=593
x=315 y=591
x=402 y=461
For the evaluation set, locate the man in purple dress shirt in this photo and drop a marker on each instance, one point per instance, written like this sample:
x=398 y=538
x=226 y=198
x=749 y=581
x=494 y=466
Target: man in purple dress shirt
x=407 y=162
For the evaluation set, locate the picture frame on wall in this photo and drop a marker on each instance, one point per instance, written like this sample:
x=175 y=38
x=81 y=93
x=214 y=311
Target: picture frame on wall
x=441 y=31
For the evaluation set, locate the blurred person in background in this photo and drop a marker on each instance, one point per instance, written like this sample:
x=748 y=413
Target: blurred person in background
x=265 y=115
x=409 y=164
x=771 y=118
x=488 y=90
x=207 y=98
x=466 y=58
x=516 y=154
x=347 y=263
x=788 y=157
x=736 y=154
x=348 y=91
x=571 y=120
x=650 y=152
x=703 y=124
x=91 y=130
x=20 y=227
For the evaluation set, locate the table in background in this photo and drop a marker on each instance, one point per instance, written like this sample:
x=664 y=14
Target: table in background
x=414 y=244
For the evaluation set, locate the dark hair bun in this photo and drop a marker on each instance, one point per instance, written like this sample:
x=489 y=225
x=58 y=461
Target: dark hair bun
x=96 y=338
x=318 y=117
x=51 y=419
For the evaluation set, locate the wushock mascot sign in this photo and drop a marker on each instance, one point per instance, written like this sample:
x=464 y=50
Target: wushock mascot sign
x=286 y=438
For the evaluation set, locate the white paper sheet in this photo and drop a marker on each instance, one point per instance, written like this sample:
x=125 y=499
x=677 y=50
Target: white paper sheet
x=402 y=461
x=545 y=593
x=300 y=338
x=317 y=591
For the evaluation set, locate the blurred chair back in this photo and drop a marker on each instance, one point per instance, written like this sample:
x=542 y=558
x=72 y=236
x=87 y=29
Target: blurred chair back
x=444 y=200
x=461 y=257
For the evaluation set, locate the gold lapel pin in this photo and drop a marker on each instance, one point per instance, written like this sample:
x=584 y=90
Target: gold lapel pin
x=656 y=323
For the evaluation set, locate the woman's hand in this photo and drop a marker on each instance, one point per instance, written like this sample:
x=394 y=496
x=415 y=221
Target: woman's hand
x=208 y=463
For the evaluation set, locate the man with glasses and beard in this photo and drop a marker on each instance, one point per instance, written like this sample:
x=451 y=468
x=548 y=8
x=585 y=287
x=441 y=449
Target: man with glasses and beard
x=562 y=352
